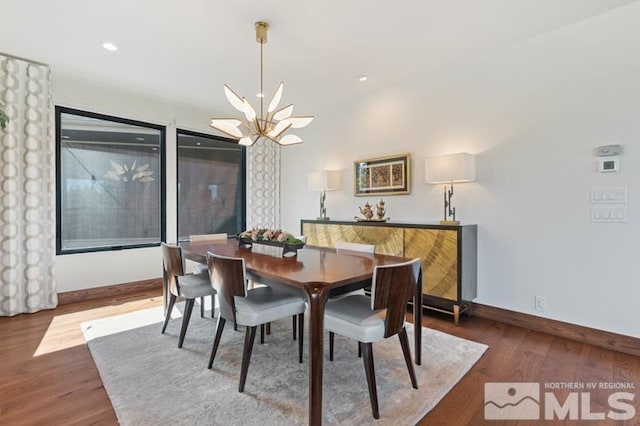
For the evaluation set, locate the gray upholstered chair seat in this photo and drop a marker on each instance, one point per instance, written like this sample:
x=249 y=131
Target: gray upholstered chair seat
x=353 y=317
x=199 y=268
x=195 y=285
x=264 y=304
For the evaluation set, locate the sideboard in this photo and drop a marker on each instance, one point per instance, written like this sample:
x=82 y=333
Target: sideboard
x=448 y=253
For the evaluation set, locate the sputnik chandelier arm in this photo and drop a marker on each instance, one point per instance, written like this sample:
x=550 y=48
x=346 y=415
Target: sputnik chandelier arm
x=273 y=124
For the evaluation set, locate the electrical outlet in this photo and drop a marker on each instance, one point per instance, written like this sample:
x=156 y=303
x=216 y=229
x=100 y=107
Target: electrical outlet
x=541 y=303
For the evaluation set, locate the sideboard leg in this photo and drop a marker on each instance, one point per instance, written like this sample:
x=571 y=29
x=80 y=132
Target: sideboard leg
x=456 y=314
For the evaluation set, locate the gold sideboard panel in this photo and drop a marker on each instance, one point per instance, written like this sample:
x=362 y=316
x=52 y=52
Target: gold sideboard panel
x=387 y=240
x=438 y=250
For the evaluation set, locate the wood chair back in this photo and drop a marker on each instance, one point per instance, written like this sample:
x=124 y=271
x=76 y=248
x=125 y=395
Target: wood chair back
x=228 y=278
x=173 y=264
x=365 y=248
x=207 y=237
x=393 y=286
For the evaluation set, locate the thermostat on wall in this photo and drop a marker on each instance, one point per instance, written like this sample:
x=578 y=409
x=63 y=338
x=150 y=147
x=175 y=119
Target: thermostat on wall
x=606 y=165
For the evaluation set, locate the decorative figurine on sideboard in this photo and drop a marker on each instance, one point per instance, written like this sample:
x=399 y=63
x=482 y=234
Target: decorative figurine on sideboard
x=380 y=210
x=368 y=213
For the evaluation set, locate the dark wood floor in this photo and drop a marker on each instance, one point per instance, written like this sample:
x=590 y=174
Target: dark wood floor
x=47 y=375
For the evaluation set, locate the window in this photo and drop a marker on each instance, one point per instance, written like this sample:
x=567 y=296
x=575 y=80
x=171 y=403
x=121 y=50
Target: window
x=211 y=185
x=109 y=182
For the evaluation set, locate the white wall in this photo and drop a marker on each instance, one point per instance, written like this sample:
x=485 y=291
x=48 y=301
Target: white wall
x=88 y=270
x=532 y=114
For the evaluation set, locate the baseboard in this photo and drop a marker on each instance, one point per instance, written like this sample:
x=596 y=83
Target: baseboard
x=592 y=336
x=109 y=291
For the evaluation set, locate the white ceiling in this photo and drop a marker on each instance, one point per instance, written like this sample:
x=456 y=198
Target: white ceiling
x=186 y=50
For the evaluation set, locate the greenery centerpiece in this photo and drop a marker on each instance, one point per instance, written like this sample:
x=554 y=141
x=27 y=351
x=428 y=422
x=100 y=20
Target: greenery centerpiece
x=271 y=237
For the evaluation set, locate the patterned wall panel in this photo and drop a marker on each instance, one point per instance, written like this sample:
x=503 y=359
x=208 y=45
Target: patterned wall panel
x=27 y=189
x=263 y=185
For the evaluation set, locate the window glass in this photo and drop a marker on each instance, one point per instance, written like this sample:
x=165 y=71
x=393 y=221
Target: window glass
x=211 y=185
x=110 y=182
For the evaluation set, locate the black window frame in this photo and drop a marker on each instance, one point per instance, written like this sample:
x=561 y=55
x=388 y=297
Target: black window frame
x=59 y=110
x=243 y=150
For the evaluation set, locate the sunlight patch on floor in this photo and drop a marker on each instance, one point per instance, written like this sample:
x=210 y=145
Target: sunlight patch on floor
x=64 y=330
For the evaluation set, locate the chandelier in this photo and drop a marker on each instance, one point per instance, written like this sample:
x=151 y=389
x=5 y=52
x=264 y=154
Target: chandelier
x=274 y=124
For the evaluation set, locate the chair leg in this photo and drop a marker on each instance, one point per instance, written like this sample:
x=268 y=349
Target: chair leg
x=300 y=336
x=359 y=350
x=331 y=337
x=172 y=301
x=293 y=325
x=213 y=305
x=216 y=340
x=404 y=342
x=267 y=328
x=188 y=307
x=261 y=334
x=249 y=338
x=202 y=307
x=367 y=350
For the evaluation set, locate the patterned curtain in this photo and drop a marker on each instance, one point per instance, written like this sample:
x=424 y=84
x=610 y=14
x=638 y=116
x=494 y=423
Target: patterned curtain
x=263 y=185
x=27 y=189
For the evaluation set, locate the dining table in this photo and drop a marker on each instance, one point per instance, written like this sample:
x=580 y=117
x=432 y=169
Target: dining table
x=317 y=273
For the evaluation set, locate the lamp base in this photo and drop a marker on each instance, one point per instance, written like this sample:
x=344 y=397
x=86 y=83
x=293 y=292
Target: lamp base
x=449 y=222
x=322 y=218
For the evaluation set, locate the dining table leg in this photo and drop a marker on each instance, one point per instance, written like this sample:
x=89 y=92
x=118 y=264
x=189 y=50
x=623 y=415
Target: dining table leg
x=317 y=297
x=417 y=321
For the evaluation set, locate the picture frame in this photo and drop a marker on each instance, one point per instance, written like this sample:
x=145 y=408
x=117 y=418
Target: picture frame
x=382 y=175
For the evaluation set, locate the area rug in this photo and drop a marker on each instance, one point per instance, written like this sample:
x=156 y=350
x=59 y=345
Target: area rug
x=152 y=382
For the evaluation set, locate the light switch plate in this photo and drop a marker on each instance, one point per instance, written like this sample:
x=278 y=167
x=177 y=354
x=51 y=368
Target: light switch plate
x=617 y=195
x=609 y=214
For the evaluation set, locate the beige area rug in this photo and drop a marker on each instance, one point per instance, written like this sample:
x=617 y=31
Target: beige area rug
x=152 y=382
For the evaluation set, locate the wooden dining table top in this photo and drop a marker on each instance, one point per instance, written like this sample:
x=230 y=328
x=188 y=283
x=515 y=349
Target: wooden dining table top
x=311 y=265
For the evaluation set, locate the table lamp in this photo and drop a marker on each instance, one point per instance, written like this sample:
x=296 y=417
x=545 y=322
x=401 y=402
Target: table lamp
x=323 y=181
x=453 y=168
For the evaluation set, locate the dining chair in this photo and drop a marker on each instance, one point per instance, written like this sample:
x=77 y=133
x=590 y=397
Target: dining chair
x=187 y=286
x=346 y=247
x=248 y=307
x=370 y=319
x=365 y=248
x=199 y=268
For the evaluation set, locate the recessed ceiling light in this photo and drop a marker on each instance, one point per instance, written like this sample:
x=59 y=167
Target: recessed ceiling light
x=198 y=143
x=363 y=78
x=65 y=137
x=110 y=46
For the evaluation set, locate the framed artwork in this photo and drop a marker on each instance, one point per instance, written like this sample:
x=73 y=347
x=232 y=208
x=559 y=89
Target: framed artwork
x=382 y=175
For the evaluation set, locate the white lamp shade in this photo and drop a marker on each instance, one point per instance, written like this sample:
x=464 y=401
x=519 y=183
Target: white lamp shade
x=459 y=167
x=326 y=180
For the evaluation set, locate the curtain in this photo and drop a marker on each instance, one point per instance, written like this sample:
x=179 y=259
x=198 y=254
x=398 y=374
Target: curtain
x=263 y=185
x=27 y=189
